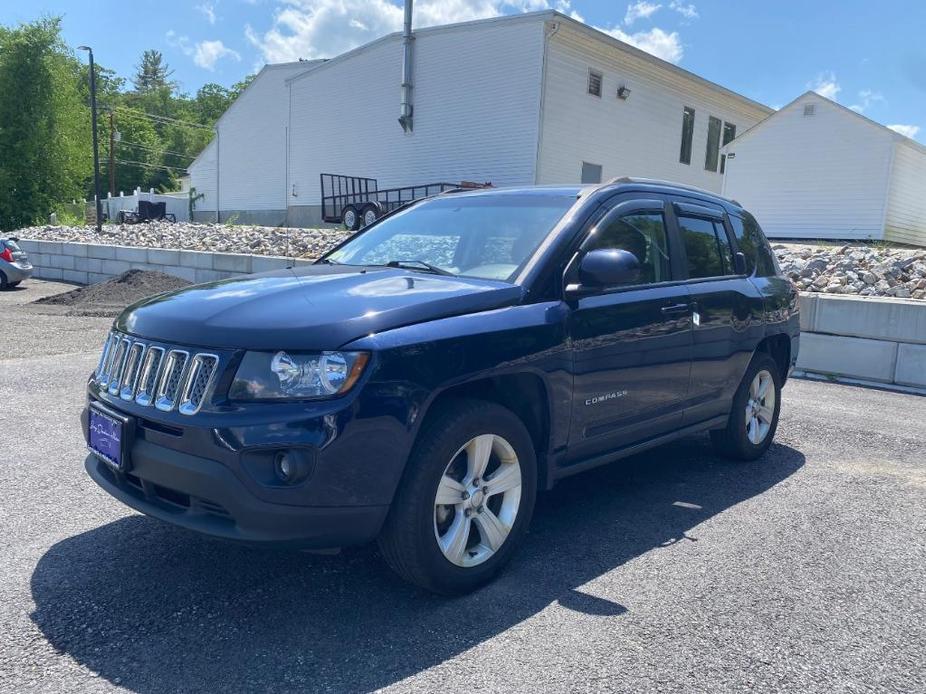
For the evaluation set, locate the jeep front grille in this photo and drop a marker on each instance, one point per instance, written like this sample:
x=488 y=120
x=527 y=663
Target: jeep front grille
x=168 y=378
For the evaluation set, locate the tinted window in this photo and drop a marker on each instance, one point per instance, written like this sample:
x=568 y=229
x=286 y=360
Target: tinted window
x=706 y=246
x=713 y=144
x=644 y=235
x=688 y=120
x=729 y=134
x=752 y=243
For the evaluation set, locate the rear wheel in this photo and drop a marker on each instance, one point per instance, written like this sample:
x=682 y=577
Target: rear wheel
x=3 y=282
x=370 y=214
x=466 y=499
x=350 y=218
x=754 y=418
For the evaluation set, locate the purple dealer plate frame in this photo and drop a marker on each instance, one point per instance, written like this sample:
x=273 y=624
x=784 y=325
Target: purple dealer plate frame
x=108 y=436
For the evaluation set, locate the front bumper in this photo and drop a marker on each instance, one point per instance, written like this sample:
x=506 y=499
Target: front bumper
x=16 y=272
x=202 y=495
x=219 y=480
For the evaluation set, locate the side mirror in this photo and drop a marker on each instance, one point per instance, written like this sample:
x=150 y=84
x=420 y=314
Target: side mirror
x=608 y=267
x=739 y=264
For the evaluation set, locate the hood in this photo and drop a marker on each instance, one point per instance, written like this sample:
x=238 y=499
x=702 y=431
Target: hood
x=316 y=307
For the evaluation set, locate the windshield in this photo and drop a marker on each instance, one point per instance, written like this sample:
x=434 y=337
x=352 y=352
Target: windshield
x=488 y=236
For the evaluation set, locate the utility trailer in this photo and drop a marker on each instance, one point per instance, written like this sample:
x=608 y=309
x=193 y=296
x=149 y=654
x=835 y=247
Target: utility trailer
x=356 y=201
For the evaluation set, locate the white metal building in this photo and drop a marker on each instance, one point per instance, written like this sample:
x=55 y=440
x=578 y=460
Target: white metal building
x=818 y=170
x=245 y=161
x=515 y=100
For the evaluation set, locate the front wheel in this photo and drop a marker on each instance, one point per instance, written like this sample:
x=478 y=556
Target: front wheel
x=466 y=500
x=754 y=418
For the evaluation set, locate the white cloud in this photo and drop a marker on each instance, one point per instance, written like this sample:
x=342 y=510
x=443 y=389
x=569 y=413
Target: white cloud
x=688 y=11
x=825 y=85
x=662 y=44
x=640 y=10
x=208 y=10
x=205 y=53
x=866 y=98
x=906 y=130
x=325 y=28
x=208 y=53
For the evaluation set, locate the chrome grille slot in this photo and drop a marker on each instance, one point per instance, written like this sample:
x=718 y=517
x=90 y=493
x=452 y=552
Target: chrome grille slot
x=107 y=345
x=169 y=378
x=108 y=360
x=172 y=376
x=118 y=364
x=148 y=378
x=198 y=380
x=130 y=372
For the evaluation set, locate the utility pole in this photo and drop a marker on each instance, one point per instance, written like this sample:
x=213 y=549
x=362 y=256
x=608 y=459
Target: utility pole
x=96 y=145
x=112 y=155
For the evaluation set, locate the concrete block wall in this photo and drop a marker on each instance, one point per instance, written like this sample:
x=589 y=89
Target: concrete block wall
x=86 y=263
x=866 y=338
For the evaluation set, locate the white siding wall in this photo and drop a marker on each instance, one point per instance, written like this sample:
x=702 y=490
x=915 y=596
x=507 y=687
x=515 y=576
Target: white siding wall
x=476 y=100
x=640 y=136
x=819 y=177
x=906 y=206
x=252 y=143
x=202 y=178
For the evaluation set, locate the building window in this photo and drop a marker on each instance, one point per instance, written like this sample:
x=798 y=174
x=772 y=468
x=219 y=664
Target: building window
x=729 y=134
x=594 y=82
x=591 y=173
x=688 y=119
x=713 y=144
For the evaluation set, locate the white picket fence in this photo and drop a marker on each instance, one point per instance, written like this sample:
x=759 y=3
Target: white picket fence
x=178 y=204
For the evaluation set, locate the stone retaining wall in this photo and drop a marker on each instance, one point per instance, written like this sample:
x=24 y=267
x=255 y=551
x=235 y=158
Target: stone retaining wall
x=865 y=338
x=86 y=263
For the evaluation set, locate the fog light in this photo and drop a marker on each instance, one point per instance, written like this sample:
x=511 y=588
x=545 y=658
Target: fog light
x=285 y=467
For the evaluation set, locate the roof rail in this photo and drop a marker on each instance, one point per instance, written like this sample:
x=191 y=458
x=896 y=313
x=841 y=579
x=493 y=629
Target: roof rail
x=673 y=184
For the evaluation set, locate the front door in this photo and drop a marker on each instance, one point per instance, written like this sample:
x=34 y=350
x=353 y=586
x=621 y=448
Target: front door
x=632 y=345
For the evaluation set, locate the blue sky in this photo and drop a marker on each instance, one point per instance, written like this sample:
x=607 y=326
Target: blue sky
x=866 y=55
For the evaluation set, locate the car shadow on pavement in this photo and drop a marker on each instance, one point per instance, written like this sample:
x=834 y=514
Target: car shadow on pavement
x=154 y=608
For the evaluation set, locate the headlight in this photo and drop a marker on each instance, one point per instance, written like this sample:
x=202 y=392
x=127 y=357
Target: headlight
x=286 y=376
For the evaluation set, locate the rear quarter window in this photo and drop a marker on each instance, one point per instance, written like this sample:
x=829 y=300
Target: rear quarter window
x=753 y=244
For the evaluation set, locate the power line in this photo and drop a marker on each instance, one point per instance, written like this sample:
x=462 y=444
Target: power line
x=164 y=120
x=156 y=149
x=151 y=166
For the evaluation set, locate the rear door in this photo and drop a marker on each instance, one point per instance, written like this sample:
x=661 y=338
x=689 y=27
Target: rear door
x=631 y=344
x=726 y=309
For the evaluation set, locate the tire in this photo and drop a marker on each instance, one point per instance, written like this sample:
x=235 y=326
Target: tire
x=350 y=218
x=3 y=282
x=368 y=215
x=417 y=540
x=748 y=433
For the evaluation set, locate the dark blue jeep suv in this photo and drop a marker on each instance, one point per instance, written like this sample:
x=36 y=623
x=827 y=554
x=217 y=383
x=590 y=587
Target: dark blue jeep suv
x=421 y=382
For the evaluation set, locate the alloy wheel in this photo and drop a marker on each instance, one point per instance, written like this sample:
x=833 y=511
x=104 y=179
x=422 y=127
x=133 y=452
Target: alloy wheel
x=760 y=407
x=477 y=500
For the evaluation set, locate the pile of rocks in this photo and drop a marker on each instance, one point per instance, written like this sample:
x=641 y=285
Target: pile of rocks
x=222 y=238
x=855 y=269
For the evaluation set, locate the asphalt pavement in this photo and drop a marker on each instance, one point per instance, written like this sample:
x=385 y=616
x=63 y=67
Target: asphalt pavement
x=672 y=571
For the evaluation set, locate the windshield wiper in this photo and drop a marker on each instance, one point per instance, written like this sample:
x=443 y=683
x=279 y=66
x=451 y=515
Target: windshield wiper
x=419 y=265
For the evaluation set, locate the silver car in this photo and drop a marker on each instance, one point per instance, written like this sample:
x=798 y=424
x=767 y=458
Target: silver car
x=14 y=265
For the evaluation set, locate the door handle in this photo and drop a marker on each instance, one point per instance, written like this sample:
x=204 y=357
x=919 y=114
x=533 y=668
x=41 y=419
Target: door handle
x=675 y=309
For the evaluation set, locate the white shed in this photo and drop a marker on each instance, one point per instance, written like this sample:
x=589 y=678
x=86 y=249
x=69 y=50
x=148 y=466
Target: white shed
x=528 y=98
x=818 y=170
x=245 y=161
x=522 y=99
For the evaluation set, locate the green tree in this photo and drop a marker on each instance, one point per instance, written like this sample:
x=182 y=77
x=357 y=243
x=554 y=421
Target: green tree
x=45 y=152
x=152 y=73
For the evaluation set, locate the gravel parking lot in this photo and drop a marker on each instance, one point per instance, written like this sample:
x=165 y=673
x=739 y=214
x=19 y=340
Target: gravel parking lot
x=672 y=571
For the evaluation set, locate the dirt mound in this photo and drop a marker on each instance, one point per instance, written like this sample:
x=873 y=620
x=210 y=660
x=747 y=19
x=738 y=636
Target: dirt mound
x=110 y=297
